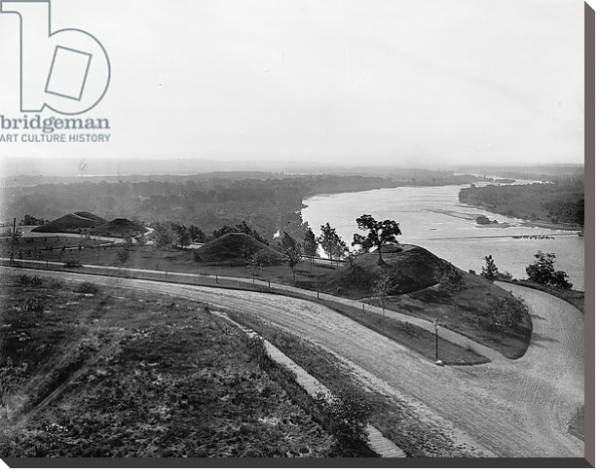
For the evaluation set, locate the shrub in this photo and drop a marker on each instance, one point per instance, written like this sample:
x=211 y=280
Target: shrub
x=87 y=288
x=34 y=304
x=55 y=284
x=72 y=263
x=34 y=281
x=542 y=271
x=509 y=312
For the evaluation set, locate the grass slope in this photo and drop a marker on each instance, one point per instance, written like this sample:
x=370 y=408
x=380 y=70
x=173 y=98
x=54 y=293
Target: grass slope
x=232 y=249
x=109 y=373
x=71 y=222
x=120 y=227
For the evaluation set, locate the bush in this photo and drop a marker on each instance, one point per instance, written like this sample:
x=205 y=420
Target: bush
x=55 y=284
x=34 y=304
x=509 y=313
x=87 y=288
x=34 y=281
x=542 y=271
x=72 y=263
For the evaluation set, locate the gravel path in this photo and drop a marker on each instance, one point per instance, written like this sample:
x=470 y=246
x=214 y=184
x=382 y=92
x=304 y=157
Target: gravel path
x=505 y=408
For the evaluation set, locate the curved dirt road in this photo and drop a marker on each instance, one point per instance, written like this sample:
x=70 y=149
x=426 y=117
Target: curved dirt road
x=505 y=409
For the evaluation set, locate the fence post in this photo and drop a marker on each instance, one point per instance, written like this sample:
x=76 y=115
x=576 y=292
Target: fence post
x=216 y=278
x=363 y=307
x=317 y=294
x=269 y=283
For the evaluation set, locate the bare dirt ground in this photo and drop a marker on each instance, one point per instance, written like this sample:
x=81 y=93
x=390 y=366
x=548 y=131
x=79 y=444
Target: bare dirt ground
x=505 y=408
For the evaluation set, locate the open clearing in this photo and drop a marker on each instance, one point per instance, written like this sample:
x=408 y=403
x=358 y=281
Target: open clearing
x=506 y=408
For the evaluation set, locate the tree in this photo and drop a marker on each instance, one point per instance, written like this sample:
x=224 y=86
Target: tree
x=542 y=271
x=196 y=234
x=163 y=235
x=255 y=264
x=509 y=312
x=182 y=235
x=382 y=287
x=379 y=234
x=451 y=282
x=310 y=246
x=123 y=255
x=292 y=251
x=331 y=242
x=489 y=271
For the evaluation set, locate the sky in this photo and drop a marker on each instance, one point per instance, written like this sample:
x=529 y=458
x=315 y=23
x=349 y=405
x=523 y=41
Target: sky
x=338 y=82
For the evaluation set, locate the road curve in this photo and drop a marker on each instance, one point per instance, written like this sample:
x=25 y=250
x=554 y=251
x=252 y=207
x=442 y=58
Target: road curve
x=504 y=409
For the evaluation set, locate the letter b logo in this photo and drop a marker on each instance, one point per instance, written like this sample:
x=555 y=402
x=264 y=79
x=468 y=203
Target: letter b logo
x=67 y=71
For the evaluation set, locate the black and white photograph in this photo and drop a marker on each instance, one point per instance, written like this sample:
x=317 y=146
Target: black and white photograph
x=296 y=234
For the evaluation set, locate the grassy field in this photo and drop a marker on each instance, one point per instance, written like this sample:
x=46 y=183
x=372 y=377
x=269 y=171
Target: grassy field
x=92 y=371
x=468 y=312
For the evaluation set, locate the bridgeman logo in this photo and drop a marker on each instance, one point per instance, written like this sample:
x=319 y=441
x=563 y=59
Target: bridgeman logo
x=67 y=71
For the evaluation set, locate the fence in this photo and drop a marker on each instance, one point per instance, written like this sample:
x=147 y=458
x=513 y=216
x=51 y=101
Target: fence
x=241 y=283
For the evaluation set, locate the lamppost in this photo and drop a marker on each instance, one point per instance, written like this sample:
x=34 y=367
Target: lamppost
x=438 y=361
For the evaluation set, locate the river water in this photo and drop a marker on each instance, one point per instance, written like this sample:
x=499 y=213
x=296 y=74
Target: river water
x=432 y=217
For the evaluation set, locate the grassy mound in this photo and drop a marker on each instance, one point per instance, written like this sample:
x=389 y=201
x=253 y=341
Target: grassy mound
x=411 y=268
x=119 y=227
x=72 y=222
x=233 y=248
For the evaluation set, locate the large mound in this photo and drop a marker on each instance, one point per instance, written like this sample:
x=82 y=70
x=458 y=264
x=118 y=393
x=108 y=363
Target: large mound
x=119 y=227
x=234 y=247
x=410 y=267
x=72 y=222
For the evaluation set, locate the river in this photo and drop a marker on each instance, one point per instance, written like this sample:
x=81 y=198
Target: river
x=432 y=217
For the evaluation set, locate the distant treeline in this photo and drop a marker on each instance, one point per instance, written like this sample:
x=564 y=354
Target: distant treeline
x=561 y=202
x=268 y=203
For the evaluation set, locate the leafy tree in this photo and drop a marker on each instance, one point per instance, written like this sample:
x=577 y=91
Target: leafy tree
x=489 y=271
x=379 y=234
x=331 y=242
x=255 y=263
x=196 y=234
x=182 y=235
x=163 y=235
x=509 y=312
x=543 y=272
x=123 y=255
x=292 y=252
x=451 y=280
x=383 y=286
x=310 y=246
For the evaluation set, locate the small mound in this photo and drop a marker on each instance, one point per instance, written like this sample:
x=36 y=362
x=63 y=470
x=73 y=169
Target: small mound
x=411 y=268
x=71 y=223
x=119 y=227
x=234 y=248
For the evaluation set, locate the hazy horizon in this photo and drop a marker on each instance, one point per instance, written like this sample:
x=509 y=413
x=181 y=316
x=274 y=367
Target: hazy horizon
x=436 y=83
x=155 y=167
